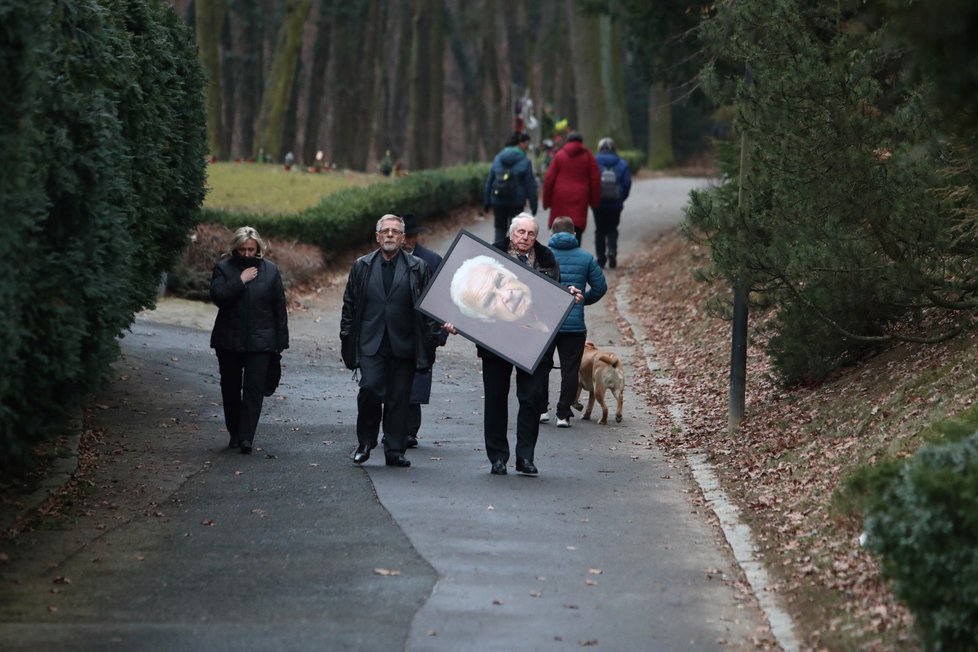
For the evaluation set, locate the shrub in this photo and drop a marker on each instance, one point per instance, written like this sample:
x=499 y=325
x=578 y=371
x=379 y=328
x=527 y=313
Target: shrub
x=298 y=263
x=104 y=98
x=923 y=523
x=635 y=159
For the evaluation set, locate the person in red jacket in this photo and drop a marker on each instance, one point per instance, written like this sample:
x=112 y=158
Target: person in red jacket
x=572 y=184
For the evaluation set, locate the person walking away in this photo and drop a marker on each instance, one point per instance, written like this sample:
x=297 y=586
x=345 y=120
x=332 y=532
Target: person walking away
x=251 y=327
x=421 y=385
x=510 y=184
x=572 y=184
x=383 y=336
x=497 y=372
x=578 y=269
x=616 y=183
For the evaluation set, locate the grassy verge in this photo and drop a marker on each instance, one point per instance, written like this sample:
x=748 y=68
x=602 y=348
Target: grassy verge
x=267 y=188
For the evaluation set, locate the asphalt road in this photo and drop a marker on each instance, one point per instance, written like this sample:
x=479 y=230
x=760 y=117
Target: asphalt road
x=184 y=545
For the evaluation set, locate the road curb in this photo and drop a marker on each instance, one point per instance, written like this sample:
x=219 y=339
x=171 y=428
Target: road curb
x=735 y=531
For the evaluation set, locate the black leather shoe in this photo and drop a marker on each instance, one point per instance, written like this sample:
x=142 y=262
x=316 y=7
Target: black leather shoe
x=245 y=447
x=234 y=442
x=498 y=468
x=398 y=460
x=361 y=454
x=612 y=261
x=526 y=466
x=412 y=442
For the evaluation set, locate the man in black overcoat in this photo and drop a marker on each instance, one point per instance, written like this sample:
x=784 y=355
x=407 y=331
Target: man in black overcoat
x=384 y=337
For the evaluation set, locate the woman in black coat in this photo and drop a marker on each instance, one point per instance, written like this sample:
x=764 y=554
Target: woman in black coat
x=250 y=332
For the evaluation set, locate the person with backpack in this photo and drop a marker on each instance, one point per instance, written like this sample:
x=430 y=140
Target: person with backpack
x=616 y=183
x=511 y=183
x=572 y=184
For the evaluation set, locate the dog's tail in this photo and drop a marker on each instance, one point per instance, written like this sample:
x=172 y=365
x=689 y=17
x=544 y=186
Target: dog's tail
x=610 y=359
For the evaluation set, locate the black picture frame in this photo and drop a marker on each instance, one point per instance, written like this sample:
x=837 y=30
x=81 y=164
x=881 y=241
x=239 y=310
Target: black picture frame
x=522 y=341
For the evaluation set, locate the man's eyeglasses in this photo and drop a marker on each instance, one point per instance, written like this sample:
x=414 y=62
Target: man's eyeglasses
x=390 y=231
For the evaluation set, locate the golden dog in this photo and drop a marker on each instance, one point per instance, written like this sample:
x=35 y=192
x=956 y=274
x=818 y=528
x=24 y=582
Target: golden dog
x=600 y=372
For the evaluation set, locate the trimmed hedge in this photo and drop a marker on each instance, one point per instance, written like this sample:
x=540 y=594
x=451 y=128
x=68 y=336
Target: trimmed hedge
x=102 y=128
x=635 y=159
x=347 y=218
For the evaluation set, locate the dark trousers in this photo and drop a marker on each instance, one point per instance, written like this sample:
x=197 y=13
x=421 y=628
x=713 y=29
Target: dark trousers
x=242 y=391
x=606 y=234
x=502 y=216
x=531 y=393
x=385 y=387
x=414 y=419
x=570 y=348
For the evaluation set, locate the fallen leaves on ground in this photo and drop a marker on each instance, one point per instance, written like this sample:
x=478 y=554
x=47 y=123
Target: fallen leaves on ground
x=795 y=446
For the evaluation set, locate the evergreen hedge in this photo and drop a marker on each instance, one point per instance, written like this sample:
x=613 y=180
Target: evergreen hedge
x=103 y=131
x=923 y=522
x=635 y=159
x=347 y=218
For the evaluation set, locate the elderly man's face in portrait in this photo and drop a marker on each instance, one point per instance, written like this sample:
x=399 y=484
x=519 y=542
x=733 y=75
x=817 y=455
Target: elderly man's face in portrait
x=495 y=293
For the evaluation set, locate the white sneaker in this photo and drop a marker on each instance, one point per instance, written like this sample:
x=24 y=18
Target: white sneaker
x=563 y=423
x=545 y=417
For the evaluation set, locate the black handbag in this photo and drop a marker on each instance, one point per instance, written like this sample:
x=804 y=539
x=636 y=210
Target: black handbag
x=274 y=374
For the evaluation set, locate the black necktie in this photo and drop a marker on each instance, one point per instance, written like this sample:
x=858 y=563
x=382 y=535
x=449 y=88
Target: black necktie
x=523 y=258
x=387 y=267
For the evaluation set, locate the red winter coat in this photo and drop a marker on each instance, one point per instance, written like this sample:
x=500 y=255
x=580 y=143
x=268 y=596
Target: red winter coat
x=573 y=183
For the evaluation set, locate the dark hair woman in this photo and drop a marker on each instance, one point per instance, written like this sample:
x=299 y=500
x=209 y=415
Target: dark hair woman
x=250 y=332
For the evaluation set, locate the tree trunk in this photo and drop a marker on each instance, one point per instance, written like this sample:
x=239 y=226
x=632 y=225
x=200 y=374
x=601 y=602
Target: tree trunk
x=660 y=128
x=613 y=85
x=427 y=84
x=272 y=121
x=436 y=84
x=598 y=83
x=347 y=20
x=311 y=115
x=490 y=86
x=472 y=121
x=367 y=86
x=210 y=22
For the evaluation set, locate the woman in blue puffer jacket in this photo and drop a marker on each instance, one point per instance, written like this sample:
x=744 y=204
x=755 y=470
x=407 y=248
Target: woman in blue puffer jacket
x=577 y=268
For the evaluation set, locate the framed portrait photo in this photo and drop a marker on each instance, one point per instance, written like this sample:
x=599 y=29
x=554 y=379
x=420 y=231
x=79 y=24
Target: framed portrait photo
x=496 y=301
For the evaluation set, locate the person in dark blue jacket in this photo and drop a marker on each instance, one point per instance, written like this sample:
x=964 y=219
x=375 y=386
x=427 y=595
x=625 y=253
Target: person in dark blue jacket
x=608 y=214
x=510 y=184
x=579 y=269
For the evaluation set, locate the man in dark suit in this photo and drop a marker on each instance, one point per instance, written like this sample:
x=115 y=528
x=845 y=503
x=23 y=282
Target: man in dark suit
x=385 y=338
x=421 y=385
